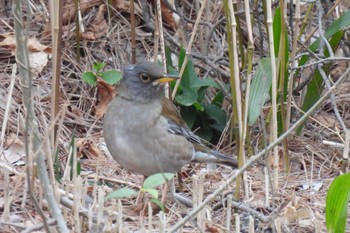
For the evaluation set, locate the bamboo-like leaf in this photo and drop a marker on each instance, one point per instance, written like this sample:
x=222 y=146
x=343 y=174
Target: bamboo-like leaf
x=337 y=203
x=259 y=93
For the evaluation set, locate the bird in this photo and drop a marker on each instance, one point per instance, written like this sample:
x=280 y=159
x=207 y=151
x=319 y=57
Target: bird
x=144 y=131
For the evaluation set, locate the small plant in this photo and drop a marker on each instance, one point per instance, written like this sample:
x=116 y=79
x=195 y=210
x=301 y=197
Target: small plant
x=200 y=113
x=109 y=76
x=149 y=186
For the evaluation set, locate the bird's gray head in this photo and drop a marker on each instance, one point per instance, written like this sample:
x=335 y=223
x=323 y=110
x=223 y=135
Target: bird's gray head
x=144 y=81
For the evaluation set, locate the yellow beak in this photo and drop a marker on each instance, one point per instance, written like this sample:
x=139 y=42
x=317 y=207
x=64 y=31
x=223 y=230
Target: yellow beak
x=165 y=79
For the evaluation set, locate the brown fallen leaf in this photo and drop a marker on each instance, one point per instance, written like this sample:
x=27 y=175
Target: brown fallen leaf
x=121 y=5
x=87 y=148
x=69 y=12
x=98 y=27
x=212 y=229
x=105 y=94
x=38 y=53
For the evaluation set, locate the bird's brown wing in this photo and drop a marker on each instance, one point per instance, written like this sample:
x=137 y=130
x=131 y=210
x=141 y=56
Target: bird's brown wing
x=178 y=126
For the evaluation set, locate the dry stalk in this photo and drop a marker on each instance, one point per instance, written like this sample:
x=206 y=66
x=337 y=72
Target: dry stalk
x=7 y=109
x=273 y=125
x=161 y=36
x=293 y=62
x=32 y=136
x=228 y=212
x=189 y=47
x=345 y=161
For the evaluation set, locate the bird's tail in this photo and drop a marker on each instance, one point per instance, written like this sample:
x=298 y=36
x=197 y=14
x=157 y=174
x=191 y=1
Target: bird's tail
x=213 y=156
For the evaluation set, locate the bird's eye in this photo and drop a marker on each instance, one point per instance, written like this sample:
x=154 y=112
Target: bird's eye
x=144 y=77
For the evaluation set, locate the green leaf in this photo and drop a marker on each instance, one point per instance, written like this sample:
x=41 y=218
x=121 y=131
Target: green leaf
x=159 y=203
x=189 y=76
x=122 y=193
x=111 y=76
x=157 y=179
x=74 y=158
x=334 y=33
x=187 y=97
x=90 y=78
x=154 y=192
x=201 y=93
x=259 y=92
x=168 y=59
x=337 y=202
x=198 y=106
x=205 y=130
x=218 y=99
x=188 y=114
x=277 y=27
x=218 y=115
x=98 y=66
x=207 y=82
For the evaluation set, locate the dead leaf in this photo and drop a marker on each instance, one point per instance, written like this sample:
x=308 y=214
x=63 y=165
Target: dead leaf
x=38 y=53
x=105 y=93
x=14 y=151
x=212 y=229
x=86 y=148
x=295 y=212
x=98 y=27
x=8 y=40
x=121 y=5
x=69 y=12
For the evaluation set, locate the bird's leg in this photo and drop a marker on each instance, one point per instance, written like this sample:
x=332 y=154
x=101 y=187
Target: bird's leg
x=180 y=181
x=180 y=198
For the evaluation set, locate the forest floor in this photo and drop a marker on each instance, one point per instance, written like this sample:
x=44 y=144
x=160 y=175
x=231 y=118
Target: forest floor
x=297 y=205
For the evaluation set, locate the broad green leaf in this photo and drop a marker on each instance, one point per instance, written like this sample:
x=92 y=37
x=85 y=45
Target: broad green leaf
x=218 y=115
x=154 y=192
x=207 y=82
x=90 y=78
x=189 y=76
x=259 y=92
x=337 y=203
x=187 y=97
x=121 y=193
x=168 y=59
x=205 y=131
x=99 y=66
x=201 y=93
x=188 y=114
x=111 y=76
x=218 y=99
x=158 y=203
x=157 y=179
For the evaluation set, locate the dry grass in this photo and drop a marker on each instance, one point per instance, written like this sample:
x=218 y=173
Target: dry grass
x=299 y=202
